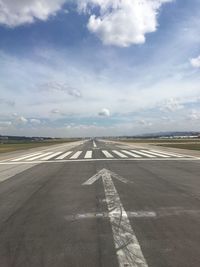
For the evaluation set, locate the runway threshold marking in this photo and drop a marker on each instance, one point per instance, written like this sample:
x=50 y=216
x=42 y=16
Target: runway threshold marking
x=143 y=153
x=76 y=155
x=131 y=154
x=156 y=154
x=107 y=154
x=195 y=159
x=52 y=156
x=119 y=154
x=64 y=155
x=127 y=247
x=170 y=154
x=27 y=156
x=88 y=154
x=39 y=157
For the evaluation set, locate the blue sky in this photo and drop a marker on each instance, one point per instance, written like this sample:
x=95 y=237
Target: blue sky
x=99 y=67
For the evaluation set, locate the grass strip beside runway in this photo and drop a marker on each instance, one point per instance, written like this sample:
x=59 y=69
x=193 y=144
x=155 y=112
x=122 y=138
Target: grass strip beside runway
x=190 y=146
x=27 y=145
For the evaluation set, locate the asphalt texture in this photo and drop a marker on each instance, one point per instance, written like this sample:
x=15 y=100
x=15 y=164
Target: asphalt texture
x=45 y=211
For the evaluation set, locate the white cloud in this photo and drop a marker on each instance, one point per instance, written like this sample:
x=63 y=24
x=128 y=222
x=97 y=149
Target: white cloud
x=35 y=121
x=59 y=87
x=194 y=115
x=104 y=112
x=21 y=120
x=195 y=62
x=55 y=111
x=18 y=12
x=145 y=123
x=171 y=105
x=74 y=92
x=122 y=22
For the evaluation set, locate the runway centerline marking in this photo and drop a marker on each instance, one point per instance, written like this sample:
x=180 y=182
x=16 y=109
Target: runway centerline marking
x=127 y=247
x=94 y=144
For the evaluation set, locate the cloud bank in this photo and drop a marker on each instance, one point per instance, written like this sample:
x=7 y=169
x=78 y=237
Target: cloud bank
x=18 y=12
x=122 y=22
x=118 y=22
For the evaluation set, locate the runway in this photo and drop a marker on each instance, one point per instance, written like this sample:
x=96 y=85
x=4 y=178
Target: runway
x=99 y=203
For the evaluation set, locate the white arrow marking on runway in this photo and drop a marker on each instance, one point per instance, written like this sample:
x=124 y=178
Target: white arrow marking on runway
x=127 y=247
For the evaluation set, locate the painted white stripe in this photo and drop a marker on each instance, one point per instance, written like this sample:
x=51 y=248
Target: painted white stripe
x=94 y=144
x=99 y=174
x=64 y=155
x=27 y=156
x=170 y=154
x=156 y=154
x=40 y=156
x=91 y=215
x=88 y=154
x=143 y=154
x=119 y=154
x=127 y=247
x=76 y=155
x=107 y=154
x=188 y=159
x=131 y=154
x=51 y=156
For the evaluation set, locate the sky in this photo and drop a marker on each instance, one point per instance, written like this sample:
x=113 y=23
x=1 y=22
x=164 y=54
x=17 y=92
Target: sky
x=71 y=68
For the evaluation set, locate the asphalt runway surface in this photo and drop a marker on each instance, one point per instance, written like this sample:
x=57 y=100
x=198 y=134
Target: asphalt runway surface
x=99 y=203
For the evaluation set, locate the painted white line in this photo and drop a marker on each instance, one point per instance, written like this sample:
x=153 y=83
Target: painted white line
x=76 y=155
x=103 y=159
x=143 y=154
x=93 y=215
x=169 y=154
x=94 y=144
x=52 y=147
x=119 y=154
x=107 y=154
x=156 y=154
x=131 y=154
x=51 y=156
x=64 y=155
x=98 y=175
x=40 y=156
x=27 y=156
x=88 y=154
x=127 y=247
